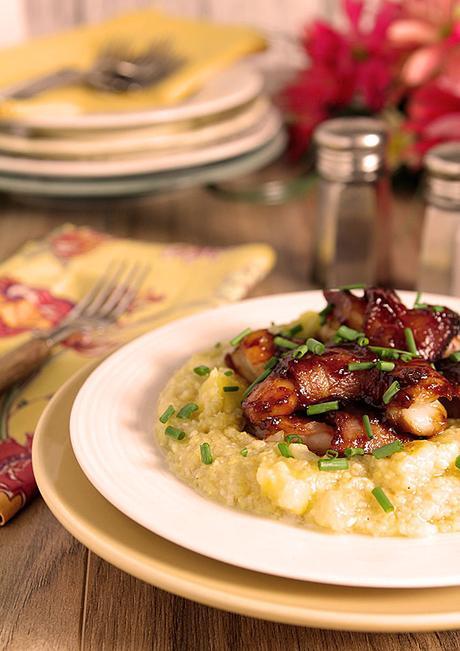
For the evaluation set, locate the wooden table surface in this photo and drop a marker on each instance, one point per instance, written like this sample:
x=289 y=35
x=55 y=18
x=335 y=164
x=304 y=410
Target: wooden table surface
x=54 y=593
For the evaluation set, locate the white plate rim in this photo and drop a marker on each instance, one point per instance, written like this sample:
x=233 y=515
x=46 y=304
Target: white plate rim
x=390 y=562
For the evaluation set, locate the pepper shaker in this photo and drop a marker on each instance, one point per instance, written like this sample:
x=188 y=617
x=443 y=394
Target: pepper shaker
x=439 y=269
x=351 y=235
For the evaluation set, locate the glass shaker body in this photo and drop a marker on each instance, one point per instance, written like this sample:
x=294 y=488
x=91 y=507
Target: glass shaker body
x=439 y=269
x=352 y=190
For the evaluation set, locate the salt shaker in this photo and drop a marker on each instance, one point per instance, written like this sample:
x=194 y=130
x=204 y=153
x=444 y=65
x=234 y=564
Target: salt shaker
x=350 y=228
x=439 y=269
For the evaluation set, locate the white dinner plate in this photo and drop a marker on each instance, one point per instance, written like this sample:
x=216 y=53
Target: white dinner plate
x=146 y=183
x=226 y=90
x=112 y=425
x=147 y=163
x=97 y=144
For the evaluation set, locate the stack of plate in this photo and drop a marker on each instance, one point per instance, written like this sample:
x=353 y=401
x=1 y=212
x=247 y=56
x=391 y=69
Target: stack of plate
x=108 y=484
x=226 y=129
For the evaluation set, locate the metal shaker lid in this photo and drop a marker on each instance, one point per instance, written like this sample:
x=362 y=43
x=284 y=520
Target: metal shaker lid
x=444 y=160
x=350 y=148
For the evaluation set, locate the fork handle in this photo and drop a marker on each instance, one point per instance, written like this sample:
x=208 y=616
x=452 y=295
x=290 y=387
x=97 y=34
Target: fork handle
x=19 y=363
x=31 y=87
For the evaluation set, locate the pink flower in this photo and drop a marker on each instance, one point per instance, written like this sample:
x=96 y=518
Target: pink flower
x=433 y=28
x=351 y=69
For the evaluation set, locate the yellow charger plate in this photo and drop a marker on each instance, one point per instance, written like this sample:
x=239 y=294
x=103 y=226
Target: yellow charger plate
x=127 y=545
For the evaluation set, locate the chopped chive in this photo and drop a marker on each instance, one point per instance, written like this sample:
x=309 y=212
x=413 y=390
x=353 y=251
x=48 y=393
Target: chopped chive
x=353 y=452
x=272 y=362
x=410 y=341
x=388 y=354
x=367 y=426
x=244 y=452
x=239 y=338
x=390 y=392
x=202 y=370
x=360 y=366
x=293 y=438
x=333 y=464
x=388 y=449
x=455 y=357
x=421 y=306
x=284 y=343
x=295 y=330
x=406 y=358
x=438 y=308
x=187 y=410
x=174 y=433
x=382 y=499
x=418 y=296
x=349 y=333
x=301 y=351
x=205 y=453
x=433 y=366
x=345 y=288
x=258 y=379
x=385 y=366
x=457 y=462
x=316 y=347
x=166 y=415
x=324 y=314
x=228 y=373
x=362 y=341
x=331 y=454
x=231 y=389
x=284 y=450
x=382 y=350
x=322 y=407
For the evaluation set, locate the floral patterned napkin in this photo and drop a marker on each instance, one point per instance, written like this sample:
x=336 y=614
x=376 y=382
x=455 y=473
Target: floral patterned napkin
x=42 y=282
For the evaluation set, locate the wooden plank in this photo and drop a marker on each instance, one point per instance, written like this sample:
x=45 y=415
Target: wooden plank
x=42 y=569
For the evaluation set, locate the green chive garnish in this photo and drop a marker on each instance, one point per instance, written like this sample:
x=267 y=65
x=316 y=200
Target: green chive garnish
x=353 y=452
x=228 y=373
x=272 y=362
x=388 y=354
x=301 y=351
x=322 y=407
x=418 y=296
x=166 y=415
x=316 y=347
x=344 y=332
x=331 y=454
x=259 y=379
x=333 y=464
x=382 y=350
x=205 y=452
x=284 y=450
x=244 y=452
x=360 y=366
x=187 y=410
x=388 y=449
x=324 y=313
x=438 y=308
x=239 y=338
x=410 y=341
x=295 y=330
x=407 y=358
x=457 y=462
x=174 y=433
x=367 y=426
x=390 y=392
x=284 y=343
x=293 y=438
x=382 y=499
x=345 y=288
x=385 y=366
x=202 y=370
x=362 y=341
x=455 y=357
x=231 y=389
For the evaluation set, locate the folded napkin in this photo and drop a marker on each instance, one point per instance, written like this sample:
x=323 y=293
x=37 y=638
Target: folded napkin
x=207 y=48
x=41 y=283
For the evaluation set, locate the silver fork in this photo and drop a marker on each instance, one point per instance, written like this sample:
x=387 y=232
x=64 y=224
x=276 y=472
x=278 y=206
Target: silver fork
x=101 y=306
x=118 y=67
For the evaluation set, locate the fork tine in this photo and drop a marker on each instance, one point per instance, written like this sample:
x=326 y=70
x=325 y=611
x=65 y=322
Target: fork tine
x=130 y=294
x=119 y=291
x=105 y=289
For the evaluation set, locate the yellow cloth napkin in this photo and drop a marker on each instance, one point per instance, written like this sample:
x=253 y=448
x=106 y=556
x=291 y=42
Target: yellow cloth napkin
x=42 y=282
x=207 y=48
